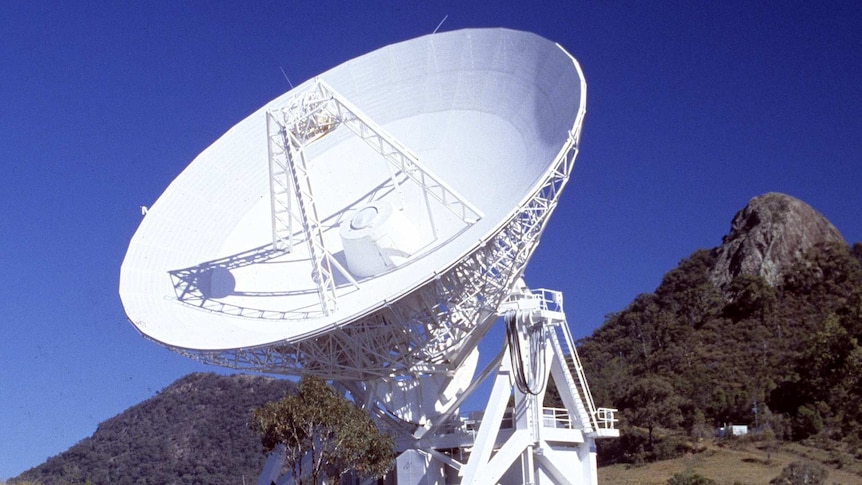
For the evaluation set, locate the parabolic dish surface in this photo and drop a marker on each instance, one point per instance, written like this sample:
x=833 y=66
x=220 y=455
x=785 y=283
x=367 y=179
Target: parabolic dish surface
x=487 y=111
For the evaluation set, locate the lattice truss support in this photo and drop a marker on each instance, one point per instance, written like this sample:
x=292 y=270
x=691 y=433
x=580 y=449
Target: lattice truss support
x=430 y=330
x=289 y=180
x=295 y=219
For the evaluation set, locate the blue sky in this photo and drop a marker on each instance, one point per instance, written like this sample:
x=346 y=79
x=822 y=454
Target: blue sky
x=693 y=108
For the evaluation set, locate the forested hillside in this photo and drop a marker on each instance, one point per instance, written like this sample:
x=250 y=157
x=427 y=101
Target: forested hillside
x=193 y=432
x=780 y=355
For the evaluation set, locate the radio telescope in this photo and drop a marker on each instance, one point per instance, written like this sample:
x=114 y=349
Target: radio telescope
x=370 y=226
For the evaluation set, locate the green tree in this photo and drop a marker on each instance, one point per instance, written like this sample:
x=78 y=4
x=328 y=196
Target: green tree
x=750 y=296
x=333 y=433
x=831 y=375
x=651 y=402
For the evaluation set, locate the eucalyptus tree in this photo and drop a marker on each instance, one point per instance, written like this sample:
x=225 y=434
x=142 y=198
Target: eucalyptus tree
x=323 y=434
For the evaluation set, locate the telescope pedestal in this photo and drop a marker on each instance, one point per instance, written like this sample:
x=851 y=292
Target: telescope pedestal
x=518 y=440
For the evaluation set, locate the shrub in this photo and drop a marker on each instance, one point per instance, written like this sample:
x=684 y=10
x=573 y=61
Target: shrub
x=689 y=478
x=807 y=422
x=801 y=473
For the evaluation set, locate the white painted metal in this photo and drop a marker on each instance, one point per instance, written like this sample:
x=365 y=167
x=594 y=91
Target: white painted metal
x=255 y=257
x=547 y=446
x=494 y=114
x=437 y=321
x=292 y=144
x=398 y=156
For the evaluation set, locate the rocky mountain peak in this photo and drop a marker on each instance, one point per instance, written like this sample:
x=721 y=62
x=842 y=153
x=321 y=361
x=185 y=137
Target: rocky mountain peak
x=768 y=236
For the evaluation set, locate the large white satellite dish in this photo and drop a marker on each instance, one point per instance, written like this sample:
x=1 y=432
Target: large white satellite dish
x=368 y=224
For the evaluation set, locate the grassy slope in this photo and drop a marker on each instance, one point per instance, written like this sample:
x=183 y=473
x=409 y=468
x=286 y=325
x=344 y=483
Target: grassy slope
x=744 y=464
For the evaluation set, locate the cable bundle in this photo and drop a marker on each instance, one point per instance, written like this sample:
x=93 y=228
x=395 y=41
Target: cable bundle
x=535 y=335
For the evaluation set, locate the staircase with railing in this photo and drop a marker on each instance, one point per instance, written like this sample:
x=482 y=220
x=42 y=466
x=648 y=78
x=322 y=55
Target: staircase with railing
x=601 y=422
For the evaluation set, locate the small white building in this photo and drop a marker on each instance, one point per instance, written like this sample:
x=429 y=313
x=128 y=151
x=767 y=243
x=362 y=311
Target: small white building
x=733 y=430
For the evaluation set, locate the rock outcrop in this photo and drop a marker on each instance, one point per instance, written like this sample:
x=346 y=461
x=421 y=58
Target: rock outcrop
x=768 y=236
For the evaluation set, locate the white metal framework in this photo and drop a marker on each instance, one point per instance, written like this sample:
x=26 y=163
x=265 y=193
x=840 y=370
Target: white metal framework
x=249 y=259
x=429 y=329
x=496 y=112
x=540 y=445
